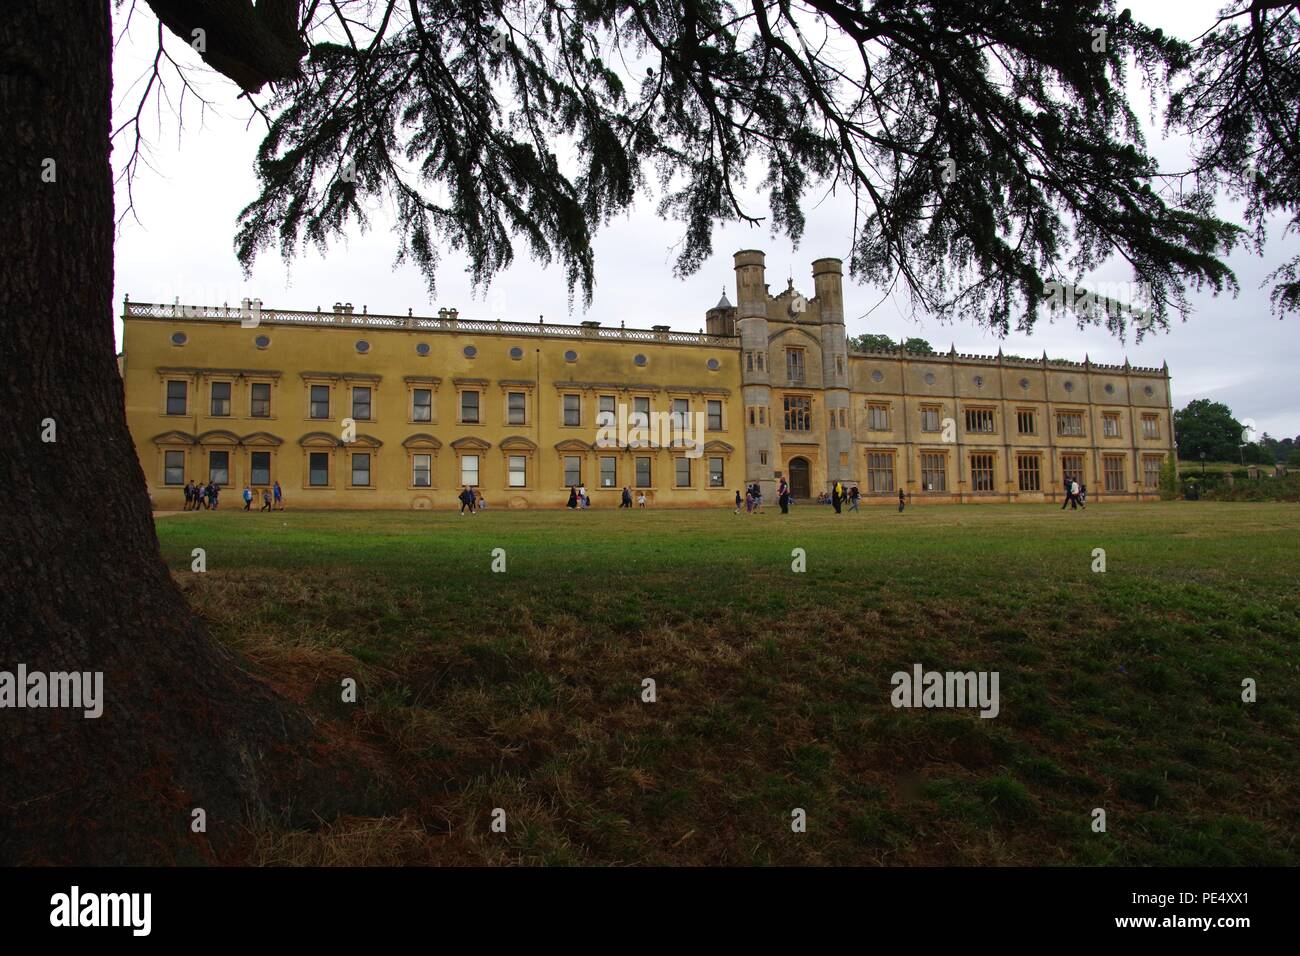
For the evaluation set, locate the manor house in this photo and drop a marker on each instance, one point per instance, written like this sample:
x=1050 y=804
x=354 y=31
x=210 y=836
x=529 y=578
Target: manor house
x=352 y=410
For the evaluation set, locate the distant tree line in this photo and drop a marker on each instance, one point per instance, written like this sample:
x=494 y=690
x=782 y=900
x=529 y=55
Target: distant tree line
x=1210 y=427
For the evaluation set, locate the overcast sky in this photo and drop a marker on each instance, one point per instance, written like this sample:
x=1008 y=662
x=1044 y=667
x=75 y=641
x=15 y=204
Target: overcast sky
x=188 y=198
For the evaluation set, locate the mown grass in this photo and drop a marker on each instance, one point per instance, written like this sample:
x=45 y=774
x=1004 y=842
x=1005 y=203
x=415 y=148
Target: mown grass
x=522 y=690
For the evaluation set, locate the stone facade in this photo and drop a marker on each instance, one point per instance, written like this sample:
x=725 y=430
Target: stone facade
x=352 y=410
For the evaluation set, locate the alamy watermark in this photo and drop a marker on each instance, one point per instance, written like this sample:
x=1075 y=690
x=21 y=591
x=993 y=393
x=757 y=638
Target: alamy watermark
x=76 y=690
x=630 y=429
x=922 y=688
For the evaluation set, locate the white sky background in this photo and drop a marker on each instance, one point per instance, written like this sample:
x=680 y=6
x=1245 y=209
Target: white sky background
x=197 y=180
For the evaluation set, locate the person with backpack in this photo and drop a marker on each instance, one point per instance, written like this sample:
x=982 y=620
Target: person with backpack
x=214 y=494
x=188 y=491
x=248 y=498
x=266 y=500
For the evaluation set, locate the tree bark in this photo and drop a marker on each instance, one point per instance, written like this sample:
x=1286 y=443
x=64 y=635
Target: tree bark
x=82 y=584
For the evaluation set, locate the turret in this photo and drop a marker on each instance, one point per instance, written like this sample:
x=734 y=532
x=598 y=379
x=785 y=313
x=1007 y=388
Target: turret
x=751 y=322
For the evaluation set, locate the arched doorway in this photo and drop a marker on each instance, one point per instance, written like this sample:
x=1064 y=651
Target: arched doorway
x=800 y=486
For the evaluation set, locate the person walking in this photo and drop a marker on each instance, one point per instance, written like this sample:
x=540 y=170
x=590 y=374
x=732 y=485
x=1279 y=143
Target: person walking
x=248 y=498
x=466 y=499
x=739 y=501
x=188 y=491
x=279 y=504
x=837 y=497
x=855 y=496
x=583 y=500
x=783 y=495
x=266 y=500
x=626 y=501
x=640 y=500
x=573 y=497
x=216 y=493
x=902 y=500
x=1069 y=498
x=1083 y=496
x=1074 y=495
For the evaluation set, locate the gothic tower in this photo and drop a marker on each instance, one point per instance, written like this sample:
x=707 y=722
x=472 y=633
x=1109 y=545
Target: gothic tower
x=756 y=383
x=828 y=281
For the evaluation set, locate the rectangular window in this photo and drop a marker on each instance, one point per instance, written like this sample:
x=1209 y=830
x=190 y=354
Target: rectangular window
x=422 y=471
x=878 y=418
x=760 y=361
x=361 y=404
x=1072 y=467
x=1069 y=424
x=1110 y=425
x=176 y=398
x=517 y=468
x=717 y=478
x=220 y=398
x=981 y=472
x=640 y=411
x=573 y=409
x=259 y=400
x=794 y=366
x=749 y=361
x=929 y=418
x=683 y=466
x=173 y=467
x=1113 y=468
x=318 y=468
x=516 y=408
x=715 y=415
x=573 y=469
x=934 y=472
x=320 y=401
x=260 y=470
x=607 y=414
x=1150 y=426
x=643 y=473
x=880 y=472
x=421 y=404
x=469 y=409
x=681 y=414
x=798 y=413
x=361 y=469
x=979 y=420
x=608 y=472
x=762 y=458
x=219 y=467
x=1030 y=472
x=469 y=470
x=1151 y=465
x=1026 y=422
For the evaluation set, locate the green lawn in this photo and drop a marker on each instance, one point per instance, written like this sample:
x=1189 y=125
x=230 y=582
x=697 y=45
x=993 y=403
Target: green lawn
x=522 y=690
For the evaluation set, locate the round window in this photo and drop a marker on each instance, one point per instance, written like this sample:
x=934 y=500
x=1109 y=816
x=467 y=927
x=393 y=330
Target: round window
x=979 y=381
x=1024 y=383
x=714 y=365
x=1110 y=389
x=1149 y=390
x=640 y=360
x=422 y=348
x=470 y=351
x=1069 y=386
x=877 y=376
x=516 y=353
x=262 y=341
x=363 y=346
x=570 y=356
x=179 y=338
x=929 y=378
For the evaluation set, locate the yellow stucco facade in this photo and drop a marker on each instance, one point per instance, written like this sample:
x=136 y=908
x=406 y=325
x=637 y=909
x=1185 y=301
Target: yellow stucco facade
x=351 y=410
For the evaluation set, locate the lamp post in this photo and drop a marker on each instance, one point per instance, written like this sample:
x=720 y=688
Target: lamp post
x=1202 y=464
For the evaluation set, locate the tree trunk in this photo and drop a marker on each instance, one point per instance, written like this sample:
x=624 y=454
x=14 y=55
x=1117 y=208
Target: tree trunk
x=82 y=584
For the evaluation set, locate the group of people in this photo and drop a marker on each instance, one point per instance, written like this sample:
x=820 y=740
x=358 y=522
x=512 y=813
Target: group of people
x=208 y=496
x=471 y=500
x=625 y=499
x=266 y=496
x=1076 y=494
x=753 y=500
